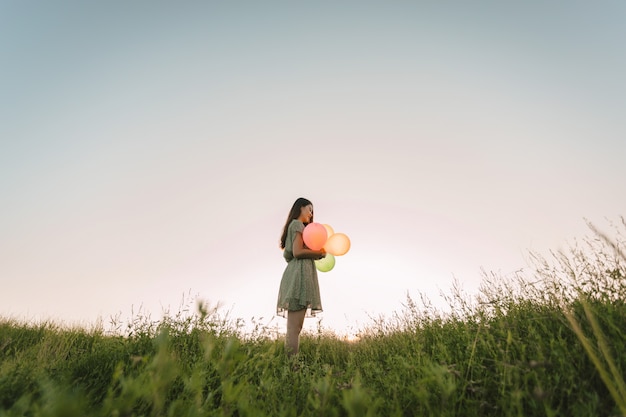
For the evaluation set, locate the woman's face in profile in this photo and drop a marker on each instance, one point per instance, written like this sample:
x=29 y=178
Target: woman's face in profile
x=306 y=214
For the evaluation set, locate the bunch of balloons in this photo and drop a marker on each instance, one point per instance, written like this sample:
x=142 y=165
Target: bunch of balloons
x=317 y=236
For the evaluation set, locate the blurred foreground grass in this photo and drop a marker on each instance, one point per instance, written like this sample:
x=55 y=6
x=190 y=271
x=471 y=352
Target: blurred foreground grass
x=548 y=343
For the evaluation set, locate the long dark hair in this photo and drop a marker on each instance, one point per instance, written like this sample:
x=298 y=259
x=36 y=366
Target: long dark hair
x=294 y=213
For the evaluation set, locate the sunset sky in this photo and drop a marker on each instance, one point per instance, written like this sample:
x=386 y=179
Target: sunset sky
x=150 y=152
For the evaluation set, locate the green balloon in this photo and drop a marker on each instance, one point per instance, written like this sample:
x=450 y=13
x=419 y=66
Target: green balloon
x=326 y=263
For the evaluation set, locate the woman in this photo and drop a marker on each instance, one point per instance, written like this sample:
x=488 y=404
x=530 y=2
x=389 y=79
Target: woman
x=299 y=291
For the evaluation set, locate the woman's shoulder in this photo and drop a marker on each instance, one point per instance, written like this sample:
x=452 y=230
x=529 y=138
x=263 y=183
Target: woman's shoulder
x=296 y=225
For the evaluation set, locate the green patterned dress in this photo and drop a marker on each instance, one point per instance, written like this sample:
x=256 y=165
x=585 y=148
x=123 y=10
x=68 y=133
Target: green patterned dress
x=299 y=288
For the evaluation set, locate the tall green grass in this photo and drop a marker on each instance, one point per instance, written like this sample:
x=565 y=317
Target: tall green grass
x=547 y=342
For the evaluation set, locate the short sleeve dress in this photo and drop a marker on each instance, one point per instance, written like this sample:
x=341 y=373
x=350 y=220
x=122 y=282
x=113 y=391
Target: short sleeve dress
x=299 y=288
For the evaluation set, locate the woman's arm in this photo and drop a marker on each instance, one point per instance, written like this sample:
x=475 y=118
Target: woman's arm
x=301 y=251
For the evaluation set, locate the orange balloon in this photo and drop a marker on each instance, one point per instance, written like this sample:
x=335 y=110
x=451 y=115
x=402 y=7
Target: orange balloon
x=338 y=244
x=314 y=236
x=329 y=230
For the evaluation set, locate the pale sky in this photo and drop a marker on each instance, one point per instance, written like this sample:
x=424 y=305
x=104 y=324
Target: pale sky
x=150 y=151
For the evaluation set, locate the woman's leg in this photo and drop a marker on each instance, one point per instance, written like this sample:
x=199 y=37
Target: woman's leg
x=295 y=320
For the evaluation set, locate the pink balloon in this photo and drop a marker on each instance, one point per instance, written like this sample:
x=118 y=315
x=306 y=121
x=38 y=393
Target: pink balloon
x=314 y=236
x=337 y=244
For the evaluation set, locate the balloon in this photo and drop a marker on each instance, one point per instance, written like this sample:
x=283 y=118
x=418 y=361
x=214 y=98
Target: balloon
x=329 y=230
x=326 y=263
x=314 y=236
x=338 y=244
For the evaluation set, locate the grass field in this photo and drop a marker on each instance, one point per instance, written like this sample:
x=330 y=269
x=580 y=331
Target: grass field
x=548 y=342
